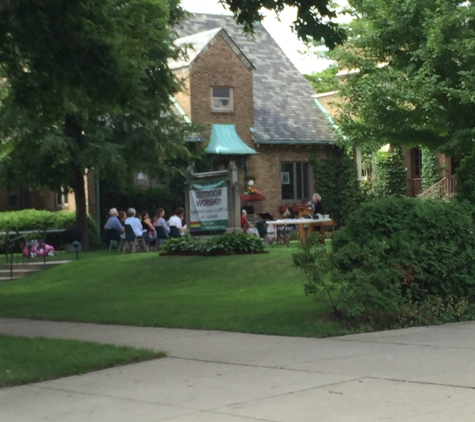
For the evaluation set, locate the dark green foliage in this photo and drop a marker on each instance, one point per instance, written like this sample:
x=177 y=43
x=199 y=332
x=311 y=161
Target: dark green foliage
x=413 y=84
x=225 y=244
x=430 y=169
x=322 y=278
x=324 y=81
x=87 y=87
x=313 y=20
x=465 y=176
x=32 y=219
x=122 y=198
x=390 y=174
x=336 y=182
x=401 y=261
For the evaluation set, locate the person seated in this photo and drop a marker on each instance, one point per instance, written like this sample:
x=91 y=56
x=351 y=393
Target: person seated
x=248 y=228
x=113 y=223
x=148 y=230
x=271 y=231
x=289 y=212
x=159 y=221
x=176 y=220
x=122 y=217
x=134 y=222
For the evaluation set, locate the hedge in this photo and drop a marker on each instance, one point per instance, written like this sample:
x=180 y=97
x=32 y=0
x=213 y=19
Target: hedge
x=31 y=219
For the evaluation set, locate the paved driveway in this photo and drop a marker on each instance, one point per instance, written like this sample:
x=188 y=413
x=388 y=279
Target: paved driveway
x=421 y=374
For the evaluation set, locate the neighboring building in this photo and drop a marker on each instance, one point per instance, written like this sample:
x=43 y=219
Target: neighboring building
x=412 y=157
x=257 y=105
x=47 y=200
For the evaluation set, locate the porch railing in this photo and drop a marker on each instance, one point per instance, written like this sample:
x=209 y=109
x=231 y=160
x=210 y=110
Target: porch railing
x=444 y=189
x=416 y=186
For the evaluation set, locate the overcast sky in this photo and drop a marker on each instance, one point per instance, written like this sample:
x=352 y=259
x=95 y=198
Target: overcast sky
x=280 y=31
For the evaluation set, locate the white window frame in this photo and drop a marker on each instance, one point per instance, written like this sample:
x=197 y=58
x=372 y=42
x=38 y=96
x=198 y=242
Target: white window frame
x=361 y=172
x=61 y=199
x=222 y=109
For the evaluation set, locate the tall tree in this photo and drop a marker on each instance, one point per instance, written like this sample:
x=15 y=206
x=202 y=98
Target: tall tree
x=414 y=82
x=313 y=17
x=88 y=87
x=324 y=81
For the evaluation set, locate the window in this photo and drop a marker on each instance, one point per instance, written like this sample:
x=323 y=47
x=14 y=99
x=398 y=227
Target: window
x=362 y=173
x=222 y=99
x=61 y=198
x=416 y=162
x=13 y=200
x=295 y=181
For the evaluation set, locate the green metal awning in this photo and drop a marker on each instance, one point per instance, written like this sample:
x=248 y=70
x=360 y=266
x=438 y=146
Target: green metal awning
x=226 y=141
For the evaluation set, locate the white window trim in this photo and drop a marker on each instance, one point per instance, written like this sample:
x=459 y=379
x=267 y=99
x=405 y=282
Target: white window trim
x=223 y=109
x=64 y=195
x=361 y=173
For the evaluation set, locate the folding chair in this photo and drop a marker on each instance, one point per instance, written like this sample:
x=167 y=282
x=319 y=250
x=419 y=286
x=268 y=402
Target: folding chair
x=132 y=241
x=174 y=231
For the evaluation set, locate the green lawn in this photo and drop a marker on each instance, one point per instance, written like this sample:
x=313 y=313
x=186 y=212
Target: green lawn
x=24 y=360
x=250 y=293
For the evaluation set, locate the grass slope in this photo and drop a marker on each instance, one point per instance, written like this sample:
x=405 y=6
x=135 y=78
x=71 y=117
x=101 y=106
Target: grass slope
x=24 y=360
x=248 y=293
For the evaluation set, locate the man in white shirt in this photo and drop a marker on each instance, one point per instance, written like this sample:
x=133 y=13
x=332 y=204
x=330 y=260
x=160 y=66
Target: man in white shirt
x=134 y=222
x=176 y=219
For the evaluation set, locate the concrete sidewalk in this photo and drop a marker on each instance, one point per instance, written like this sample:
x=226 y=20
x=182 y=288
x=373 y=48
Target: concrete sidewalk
x=421 y=374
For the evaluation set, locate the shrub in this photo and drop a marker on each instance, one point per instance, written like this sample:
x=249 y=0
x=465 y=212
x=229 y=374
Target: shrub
x=431 y=243
x=390 y=174
x=225 y=244
x=32 y=219
x=396 y=257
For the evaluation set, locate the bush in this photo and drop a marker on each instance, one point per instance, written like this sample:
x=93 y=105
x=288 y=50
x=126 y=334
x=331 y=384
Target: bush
x=32 y=219
x=225 y=244
x=390 y=174
x=395 y=258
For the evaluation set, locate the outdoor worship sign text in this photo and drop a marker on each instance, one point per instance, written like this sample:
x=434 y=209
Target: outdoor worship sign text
x=209 y=206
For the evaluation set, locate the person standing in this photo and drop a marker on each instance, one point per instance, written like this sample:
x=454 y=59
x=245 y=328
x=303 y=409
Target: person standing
x=317 y=205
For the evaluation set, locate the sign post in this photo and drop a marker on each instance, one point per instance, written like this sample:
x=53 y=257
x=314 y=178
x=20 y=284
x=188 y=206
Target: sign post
x=212 y=201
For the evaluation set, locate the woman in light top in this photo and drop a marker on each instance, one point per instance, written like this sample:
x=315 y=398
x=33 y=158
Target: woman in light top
x=159 y=220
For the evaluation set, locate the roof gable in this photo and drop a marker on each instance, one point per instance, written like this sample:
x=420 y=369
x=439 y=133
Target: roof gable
x=200 y=43
x=284 y=110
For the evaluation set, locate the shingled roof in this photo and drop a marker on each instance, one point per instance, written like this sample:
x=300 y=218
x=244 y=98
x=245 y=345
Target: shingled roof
x=284 y=110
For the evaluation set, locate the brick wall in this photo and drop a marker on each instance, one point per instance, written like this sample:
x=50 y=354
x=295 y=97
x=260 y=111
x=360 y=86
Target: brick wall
x=266 y=167
x=183 y=97
x=219 y=66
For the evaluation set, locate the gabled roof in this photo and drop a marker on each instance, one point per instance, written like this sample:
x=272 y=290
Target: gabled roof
x=284 y=110
x=199 y=43
x=225 y=141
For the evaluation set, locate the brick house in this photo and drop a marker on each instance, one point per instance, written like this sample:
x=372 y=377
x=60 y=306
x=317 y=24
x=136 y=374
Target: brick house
x=47 y=200
x=328 y=101
x=257 y=106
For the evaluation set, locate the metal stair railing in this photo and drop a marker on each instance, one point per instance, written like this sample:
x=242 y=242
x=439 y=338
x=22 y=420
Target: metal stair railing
x=443 y=190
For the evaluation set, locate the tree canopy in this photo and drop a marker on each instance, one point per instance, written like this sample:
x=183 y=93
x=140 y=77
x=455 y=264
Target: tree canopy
x=87 y=87
x=324 y=81
x=410 y=79
x=313 y=20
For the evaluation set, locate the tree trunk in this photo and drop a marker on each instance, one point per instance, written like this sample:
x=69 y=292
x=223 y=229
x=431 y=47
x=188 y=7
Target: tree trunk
x=81 y=207
x=72 y=128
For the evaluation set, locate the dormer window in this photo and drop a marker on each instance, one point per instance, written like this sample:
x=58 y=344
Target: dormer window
x=222 y=99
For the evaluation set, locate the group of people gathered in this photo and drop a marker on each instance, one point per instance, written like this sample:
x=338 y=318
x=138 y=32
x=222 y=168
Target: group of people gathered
x=143 y=225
